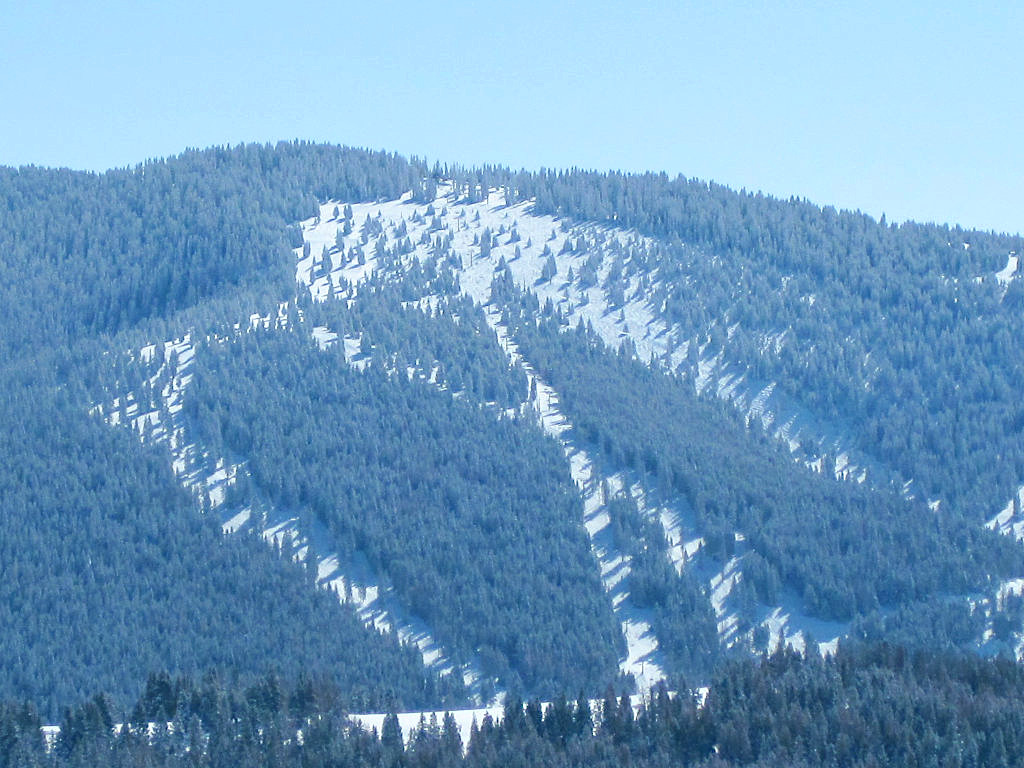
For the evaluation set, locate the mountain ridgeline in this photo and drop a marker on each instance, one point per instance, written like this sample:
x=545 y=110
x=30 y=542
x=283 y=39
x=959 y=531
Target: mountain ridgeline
x=549 y=416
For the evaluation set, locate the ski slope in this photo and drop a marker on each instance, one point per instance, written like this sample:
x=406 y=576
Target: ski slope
x=643 y=658
x=341 y=252
x=523 y=242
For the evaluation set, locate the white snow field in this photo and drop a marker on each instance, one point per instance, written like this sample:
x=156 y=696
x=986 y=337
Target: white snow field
x=1005 y=275
x=410 y=722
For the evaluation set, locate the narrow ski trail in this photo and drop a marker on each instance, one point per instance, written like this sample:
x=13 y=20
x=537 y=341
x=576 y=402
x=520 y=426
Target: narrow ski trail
x=644 y=658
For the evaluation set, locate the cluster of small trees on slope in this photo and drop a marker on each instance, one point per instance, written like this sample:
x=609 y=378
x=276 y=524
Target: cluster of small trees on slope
x=682 y=616
x=452 y=344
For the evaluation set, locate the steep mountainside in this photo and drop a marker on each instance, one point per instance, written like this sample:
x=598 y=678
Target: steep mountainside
x=507 y=433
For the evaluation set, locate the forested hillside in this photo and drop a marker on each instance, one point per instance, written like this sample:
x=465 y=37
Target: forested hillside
x=87 y=253
x=902 y=334
x=110 y=573
x=820 y=536
x=468 y=515
x=572 y=424
x=109 y=569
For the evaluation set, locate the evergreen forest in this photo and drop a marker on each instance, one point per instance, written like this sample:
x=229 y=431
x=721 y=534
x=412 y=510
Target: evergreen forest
x=433 y=371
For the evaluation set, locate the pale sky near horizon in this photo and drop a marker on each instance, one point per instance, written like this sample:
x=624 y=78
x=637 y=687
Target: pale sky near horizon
x=911 y=109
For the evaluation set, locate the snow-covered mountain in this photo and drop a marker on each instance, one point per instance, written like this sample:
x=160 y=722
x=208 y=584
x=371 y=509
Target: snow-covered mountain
x=521 y=434
x=350 y=245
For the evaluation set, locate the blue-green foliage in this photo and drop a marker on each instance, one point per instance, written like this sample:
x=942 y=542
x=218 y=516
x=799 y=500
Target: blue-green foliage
x=889 y=336
x=452 y=343
x=876 y=705
x=682 y=617
x=822 y=537
x=87 y=253
x=474 y=519
x=898 y=334
x=110 y=572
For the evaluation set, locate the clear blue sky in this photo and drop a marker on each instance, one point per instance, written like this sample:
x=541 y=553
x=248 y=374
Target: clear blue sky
x=914 y=109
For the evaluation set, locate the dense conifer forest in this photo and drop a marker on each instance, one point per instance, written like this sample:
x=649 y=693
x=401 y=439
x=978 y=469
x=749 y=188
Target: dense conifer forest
x=868 y=706
x=814 y=534
x=390 y=416
x=467 y=514
x=105 y=558
x=899 y=333
x=109 y=572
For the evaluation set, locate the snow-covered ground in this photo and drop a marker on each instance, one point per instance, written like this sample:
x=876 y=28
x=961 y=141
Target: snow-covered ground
x=410 y=722
x=1006 y=273
x=465 y=719
x=785 y=624
x=1010 y=519
x=390 y=219
x=373 y=598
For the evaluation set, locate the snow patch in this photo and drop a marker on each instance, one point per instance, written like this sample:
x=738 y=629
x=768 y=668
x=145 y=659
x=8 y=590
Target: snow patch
x=1010 y=519
x=1005 y=275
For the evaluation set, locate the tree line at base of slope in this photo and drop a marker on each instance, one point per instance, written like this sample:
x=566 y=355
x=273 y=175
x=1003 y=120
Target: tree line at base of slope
x=946 y=623
x=868 y=705
x=821 y=537
x=472 y=518
x=109 y=571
